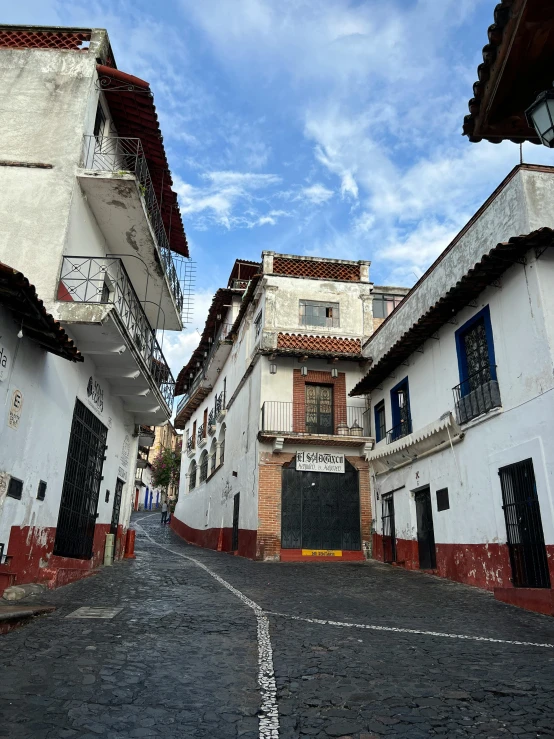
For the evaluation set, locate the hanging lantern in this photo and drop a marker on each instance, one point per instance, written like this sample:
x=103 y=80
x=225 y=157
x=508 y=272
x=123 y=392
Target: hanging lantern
x=540 y=115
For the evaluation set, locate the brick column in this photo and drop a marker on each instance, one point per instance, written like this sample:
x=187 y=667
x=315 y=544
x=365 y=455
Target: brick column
x=269 y=505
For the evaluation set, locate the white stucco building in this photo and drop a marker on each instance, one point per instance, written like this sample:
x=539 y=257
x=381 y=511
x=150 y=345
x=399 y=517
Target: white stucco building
x=86 y=209
x=461 y=383
x=273 y=463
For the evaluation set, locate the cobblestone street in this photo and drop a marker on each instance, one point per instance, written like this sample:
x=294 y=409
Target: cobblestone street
x=352 y=651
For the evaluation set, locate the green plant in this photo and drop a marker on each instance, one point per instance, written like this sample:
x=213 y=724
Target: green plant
x=166 y=468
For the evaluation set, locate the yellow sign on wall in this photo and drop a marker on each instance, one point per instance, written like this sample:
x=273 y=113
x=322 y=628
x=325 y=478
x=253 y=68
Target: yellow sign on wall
x=322 y=553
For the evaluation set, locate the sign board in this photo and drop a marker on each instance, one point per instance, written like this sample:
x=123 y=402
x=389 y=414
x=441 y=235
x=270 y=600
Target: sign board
x=15 y=409
x=4 y=362
x=319 y=462
x=322 y=553
x=95 y=394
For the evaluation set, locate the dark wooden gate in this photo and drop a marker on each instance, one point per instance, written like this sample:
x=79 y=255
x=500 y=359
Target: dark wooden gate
x=81 y=485
x=235 y=536
x=425 y=530
x=116 y=506
x=320 y=510
x=524 y=526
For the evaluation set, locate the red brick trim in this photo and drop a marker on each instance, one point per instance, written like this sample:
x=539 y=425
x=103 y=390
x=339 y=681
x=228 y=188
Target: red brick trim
x=315 y=377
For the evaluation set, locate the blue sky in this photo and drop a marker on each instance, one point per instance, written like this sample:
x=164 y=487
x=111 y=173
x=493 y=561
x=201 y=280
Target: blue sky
x=323 y=127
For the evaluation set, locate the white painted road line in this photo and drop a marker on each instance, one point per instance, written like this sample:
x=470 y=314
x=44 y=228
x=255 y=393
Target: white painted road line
x=269 y=715
x=410 y=631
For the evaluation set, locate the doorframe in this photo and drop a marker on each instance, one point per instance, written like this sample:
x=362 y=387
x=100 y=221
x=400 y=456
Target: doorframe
x=415 y=491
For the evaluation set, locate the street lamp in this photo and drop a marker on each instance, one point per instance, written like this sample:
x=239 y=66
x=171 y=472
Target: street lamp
x=540 y=115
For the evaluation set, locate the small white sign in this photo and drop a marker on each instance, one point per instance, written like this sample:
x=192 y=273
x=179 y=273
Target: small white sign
x=319 y=462
x=15 y=409
x=4 y=362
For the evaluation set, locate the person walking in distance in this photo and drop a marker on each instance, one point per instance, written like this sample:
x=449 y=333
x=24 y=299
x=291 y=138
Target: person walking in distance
x=164 y=511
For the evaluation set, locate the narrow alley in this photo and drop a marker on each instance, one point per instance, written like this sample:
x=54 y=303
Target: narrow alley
x=376 y=652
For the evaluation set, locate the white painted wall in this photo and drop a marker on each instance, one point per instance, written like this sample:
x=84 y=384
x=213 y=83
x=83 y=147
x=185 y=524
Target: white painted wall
x=37 y=449
x=521 y=314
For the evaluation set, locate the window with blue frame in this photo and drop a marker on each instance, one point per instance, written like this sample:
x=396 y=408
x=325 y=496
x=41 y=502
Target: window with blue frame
x=478 y=390
x=380 y=422
x=400 y=409
x=475 y=348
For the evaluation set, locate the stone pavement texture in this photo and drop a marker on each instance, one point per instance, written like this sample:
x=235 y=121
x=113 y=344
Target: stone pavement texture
x=181 y=657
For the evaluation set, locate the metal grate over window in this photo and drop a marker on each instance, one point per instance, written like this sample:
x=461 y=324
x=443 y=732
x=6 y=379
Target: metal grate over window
x=315 y=313
x=81 y=485
x=15 y=488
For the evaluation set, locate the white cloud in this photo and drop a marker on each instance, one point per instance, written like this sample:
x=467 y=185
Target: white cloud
x=316 y=194
x=223 y=193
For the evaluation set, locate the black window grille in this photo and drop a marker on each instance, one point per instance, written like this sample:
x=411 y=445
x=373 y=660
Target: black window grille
x=192 y=476
x=222 y=452
x=315 y=313
x=524 y=530
x=116 y=506
x=41 y=492
x=81 y=485
x=203 y=467
x=15 y=488
x=213 y=459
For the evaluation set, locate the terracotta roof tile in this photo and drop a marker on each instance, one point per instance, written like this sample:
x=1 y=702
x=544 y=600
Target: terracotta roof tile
x=322 y=344
x=20 y=297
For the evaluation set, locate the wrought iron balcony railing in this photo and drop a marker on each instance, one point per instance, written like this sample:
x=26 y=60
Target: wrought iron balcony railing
x=104 y=280
x=477 y=395
x=288 y=418
x=400 y=430
x=126 y=155
x=219 y=403
x=222 y=334
x=190 y=444
x=200 y=435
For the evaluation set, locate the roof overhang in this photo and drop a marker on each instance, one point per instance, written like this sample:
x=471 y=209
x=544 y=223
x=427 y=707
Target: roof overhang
x=131 y=104
x=518 y=64
x=488 y=269
x=20 y=297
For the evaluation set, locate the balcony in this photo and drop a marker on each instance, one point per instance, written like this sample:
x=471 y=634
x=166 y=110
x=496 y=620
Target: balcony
x=206 y=377
x=400 y=430
x=477 y=395
x=116 y=330
x=117 y=183
x=146 y=436
x=350 y=426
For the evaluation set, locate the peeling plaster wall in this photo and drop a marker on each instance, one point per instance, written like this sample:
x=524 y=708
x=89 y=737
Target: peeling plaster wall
x=37 y=449
x=47 y=97
x=288 y=291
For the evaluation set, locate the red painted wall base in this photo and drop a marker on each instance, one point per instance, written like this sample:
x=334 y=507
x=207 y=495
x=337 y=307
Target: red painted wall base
x=219 y=539
x=539 y=600
x=482 y=565
x=295 y=555
x=31 y=558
